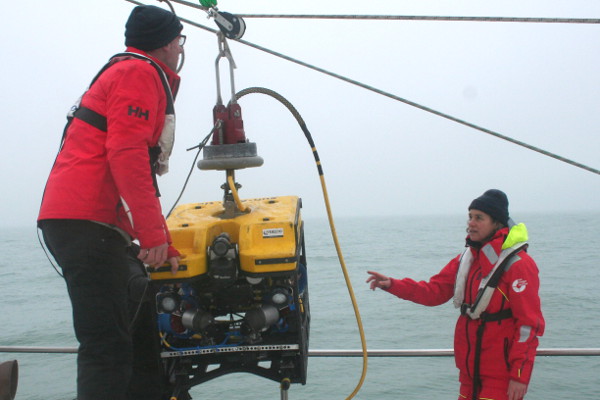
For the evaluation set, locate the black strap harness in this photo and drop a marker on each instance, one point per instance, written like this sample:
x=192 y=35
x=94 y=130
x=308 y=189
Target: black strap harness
x=99 y=121
x=91 y=117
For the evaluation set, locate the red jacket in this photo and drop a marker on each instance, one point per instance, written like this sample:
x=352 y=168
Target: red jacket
x=509 y=346
x=96 y=172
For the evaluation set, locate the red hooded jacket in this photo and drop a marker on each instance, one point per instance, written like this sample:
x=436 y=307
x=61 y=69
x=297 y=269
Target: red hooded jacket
x=97 y=172
x=509 y=345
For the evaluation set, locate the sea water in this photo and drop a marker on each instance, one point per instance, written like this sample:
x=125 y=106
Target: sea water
x=36 y=311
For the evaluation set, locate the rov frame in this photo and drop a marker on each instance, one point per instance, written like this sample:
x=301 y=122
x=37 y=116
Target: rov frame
x=242 y=302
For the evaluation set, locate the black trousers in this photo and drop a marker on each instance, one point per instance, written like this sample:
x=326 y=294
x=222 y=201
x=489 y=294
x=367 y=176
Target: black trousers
x=98 y=268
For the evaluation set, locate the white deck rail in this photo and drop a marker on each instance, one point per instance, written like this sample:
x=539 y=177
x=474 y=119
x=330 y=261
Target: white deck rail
x=341 y=353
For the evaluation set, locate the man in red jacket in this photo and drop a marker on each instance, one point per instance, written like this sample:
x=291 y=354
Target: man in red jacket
x=495 y=284
x=102 y=194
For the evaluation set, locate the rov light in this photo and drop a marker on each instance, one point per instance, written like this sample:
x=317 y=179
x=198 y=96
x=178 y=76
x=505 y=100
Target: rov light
x=253 y=280
x=167 y=302
x=280 y=297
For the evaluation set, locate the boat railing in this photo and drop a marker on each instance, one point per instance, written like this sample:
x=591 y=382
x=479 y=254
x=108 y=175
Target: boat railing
x=10 y=374
x=341 y=352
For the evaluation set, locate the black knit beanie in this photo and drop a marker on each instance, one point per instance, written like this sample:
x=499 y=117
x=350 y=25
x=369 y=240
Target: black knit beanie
x=150 y=27
x=494 y=203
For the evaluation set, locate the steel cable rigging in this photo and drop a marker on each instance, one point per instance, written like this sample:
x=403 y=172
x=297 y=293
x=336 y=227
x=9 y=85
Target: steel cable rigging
x=393 y=96
x=426 y=18
x=409 y=17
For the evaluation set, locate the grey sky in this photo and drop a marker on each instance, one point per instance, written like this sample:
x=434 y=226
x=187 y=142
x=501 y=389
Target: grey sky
x=537 y=83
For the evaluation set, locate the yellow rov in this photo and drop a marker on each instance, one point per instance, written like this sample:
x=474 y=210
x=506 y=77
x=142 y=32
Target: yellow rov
x=267 y=239
x=239 y=300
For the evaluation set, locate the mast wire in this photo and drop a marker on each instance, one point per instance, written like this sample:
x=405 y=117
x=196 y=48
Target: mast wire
x=408 y=17
x=393 y=96
x=427 y=18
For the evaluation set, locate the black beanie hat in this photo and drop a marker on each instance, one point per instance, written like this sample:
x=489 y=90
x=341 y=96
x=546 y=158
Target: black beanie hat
x=150 y=27
x=494 y=203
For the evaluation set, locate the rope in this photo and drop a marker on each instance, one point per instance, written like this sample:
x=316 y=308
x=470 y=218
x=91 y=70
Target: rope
x=188 y=4
x=424 y=108
x=426 y=18
x=408 y=17
x=394 y=97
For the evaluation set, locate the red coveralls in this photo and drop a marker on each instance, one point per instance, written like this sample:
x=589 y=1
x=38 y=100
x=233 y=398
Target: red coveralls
x=509 y=345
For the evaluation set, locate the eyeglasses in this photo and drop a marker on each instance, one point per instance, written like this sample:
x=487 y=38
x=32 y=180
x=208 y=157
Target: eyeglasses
x=182 y=40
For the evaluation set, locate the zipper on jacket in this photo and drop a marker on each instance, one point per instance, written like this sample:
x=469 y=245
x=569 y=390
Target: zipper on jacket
x=469 y=295
x=506 y=344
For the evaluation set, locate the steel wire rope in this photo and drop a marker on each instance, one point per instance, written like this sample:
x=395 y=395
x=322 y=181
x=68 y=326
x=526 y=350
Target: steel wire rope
x=426 y=18
x=394 y=97
x=338 y=249
x=398 y=98
x=408 y=17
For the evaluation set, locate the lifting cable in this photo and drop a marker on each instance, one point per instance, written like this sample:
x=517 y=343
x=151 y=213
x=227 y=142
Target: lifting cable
x=392 y=96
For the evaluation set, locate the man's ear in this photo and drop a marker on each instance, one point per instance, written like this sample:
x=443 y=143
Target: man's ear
x=157 y=53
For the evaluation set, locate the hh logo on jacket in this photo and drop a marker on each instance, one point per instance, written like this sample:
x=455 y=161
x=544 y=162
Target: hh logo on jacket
x=138 y=112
